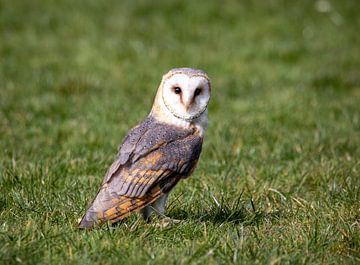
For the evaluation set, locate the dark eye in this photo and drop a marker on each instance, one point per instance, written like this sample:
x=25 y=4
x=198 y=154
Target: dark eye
x=197 y=92
x=177 y=90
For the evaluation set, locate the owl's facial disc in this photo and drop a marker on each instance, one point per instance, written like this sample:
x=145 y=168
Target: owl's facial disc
x=186 y=97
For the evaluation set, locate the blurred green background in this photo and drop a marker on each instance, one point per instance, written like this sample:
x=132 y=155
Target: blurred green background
x=281 y=154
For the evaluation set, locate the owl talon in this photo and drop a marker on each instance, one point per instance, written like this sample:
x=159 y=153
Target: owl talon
x=166 y=222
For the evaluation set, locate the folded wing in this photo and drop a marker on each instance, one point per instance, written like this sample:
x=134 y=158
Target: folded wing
x=152 y=159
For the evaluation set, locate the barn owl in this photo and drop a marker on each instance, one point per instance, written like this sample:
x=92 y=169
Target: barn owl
x=157 y=153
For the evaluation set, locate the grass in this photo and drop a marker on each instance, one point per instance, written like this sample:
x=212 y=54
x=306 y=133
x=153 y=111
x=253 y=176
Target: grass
x=282 y=152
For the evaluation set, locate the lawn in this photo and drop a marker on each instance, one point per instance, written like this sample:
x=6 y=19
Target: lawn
x=279 y=178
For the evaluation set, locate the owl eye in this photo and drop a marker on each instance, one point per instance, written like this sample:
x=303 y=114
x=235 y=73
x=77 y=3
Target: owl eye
x=197 y=92
x=177 y=90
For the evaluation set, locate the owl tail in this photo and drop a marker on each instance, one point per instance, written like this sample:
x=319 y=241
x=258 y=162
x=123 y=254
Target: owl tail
x=110 y=207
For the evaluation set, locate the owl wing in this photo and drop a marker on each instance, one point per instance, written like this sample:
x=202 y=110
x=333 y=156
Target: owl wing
x=142 y=140
x=144 y=169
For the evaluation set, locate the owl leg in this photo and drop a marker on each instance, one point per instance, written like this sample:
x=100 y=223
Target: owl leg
x=146 y=212
x=159 y=208
x=159 y=204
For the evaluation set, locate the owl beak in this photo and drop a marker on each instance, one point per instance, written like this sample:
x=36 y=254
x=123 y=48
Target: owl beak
x=188 y=105
x=188 y=101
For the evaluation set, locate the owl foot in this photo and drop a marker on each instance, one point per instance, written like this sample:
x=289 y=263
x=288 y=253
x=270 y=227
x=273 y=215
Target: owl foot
x=165 y=222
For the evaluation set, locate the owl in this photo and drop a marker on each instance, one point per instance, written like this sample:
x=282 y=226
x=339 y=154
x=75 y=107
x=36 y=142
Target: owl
x=157 y=153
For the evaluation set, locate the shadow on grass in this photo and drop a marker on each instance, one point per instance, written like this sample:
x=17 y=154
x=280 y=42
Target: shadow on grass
x=236 y=213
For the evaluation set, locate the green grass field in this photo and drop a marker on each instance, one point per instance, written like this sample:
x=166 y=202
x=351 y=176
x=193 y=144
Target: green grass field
x=281 y=155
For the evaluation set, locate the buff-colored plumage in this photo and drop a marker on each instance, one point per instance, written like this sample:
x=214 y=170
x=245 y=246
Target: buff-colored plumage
x=157 y=153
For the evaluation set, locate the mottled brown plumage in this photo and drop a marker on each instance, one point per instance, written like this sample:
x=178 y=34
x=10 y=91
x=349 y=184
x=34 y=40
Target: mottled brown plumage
x=154 y=156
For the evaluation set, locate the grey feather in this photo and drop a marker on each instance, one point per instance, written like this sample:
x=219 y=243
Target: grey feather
x=178 y=149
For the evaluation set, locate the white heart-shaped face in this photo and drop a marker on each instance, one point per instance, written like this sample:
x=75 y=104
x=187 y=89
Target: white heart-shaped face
x=186 y=97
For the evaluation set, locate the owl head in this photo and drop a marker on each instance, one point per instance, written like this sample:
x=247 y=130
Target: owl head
x=183 y=93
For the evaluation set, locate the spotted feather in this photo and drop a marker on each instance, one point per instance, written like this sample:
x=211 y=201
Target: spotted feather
x=156 y=162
